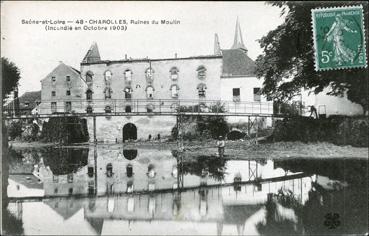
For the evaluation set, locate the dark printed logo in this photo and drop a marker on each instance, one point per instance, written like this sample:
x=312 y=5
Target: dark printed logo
x=332 y=220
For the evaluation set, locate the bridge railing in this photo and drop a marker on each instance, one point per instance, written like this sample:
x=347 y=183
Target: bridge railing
x=150 y=106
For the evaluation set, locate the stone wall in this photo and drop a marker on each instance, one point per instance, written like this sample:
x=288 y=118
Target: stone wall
x=110 y=129
x=60 y=86
x=187 y=79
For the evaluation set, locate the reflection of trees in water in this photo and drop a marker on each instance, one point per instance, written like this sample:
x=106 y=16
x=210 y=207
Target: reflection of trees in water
x=22 y=161
x=60 y=160
x=276 y=223
x=65 y=160
x=351 y=204
x=354 y=171
x=11 y=225
x=214 y=165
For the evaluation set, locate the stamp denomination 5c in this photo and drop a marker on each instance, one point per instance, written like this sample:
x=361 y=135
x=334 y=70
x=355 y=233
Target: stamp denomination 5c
x=339 y=38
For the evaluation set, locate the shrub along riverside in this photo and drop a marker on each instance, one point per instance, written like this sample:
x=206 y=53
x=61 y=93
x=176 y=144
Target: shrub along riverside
x=202 y=127
x=65 y=130
x=340 y=130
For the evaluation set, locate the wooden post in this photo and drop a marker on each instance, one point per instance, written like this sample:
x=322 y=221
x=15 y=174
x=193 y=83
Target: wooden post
x=257 y=129
x=248 y=126
x=94 y=121
x=95 y=167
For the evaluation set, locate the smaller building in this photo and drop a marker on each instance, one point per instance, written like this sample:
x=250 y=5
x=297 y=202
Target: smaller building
x=25 y=104
x=60 y=89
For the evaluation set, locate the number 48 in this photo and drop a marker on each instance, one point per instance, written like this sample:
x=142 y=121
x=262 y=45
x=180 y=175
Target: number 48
x=326 y=56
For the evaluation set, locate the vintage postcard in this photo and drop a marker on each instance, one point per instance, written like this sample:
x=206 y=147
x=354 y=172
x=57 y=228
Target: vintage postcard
x=184 y=118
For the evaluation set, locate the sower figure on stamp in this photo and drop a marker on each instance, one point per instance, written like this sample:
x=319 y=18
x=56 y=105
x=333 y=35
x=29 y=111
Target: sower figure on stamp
x=341 y=52
x=221 y=146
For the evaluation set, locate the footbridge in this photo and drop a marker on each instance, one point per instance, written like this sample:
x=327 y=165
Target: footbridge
x=142 y=107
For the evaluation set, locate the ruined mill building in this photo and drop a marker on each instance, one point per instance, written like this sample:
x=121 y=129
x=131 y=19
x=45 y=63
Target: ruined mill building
x=147 y=85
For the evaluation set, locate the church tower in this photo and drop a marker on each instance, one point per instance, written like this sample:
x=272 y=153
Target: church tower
x=217 y=50
x=92 y=54
x=238 y=41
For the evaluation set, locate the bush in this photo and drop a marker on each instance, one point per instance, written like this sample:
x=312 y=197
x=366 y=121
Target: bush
x=336 y=129
x=235 y=135
x=30 y=133
x=65 y=130
x=15 y=130
x=206 y=126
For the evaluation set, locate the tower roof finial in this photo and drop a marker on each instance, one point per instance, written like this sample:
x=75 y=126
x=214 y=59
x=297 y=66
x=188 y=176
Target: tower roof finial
x=238 y=41
x=217 y=50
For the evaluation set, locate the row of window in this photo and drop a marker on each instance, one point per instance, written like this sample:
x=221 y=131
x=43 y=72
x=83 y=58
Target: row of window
x=128 y=92
x=236 y=94
x=149 y=73
x=151 y=172
x=67 y=79
x=174 y=92
x=149 y=92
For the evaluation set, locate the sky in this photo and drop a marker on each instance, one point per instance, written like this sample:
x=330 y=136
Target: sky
x=37 y=51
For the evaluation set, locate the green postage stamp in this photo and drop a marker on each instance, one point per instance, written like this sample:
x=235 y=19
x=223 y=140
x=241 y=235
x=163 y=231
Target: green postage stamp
x=339 y=38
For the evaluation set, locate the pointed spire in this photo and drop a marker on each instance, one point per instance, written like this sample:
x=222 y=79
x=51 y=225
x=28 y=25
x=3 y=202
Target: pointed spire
x=238 y=41
x=217 y=50
x=92 y=54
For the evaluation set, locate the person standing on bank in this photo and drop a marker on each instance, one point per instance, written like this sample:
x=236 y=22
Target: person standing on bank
x=221 y=146
x=313 y=111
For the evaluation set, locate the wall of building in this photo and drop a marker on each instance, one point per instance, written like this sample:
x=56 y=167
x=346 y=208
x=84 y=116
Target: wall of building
x=162 y=162
x=60 y=186
x=246 y=102
x=60 y=86
x=162 y=82
x=246 y=85
x=110 y=129
x=331 y=105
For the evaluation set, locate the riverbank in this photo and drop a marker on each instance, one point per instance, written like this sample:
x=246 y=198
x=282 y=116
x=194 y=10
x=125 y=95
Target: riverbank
x=234 y=149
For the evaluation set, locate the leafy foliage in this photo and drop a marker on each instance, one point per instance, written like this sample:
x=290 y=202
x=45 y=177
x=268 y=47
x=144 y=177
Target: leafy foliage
x=288 y=53
x=214 y=166
x=335 y=129
x=10 y=75
x=15 y=130
x=206 y=126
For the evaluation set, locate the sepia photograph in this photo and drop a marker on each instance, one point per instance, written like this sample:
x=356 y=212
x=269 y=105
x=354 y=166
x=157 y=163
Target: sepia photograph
x=184 y=118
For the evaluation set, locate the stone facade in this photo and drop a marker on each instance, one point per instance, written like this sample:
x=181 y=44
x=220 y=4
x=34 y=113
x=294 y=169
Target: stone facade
x=62 y=85
x=110 y=129
x=132 y=76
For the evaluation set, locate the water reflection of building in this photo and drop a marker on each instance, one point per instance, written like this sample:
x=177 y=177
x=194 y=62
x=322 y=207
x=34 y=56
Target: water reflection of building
x=223 y=209
x=63 y=172
x=124 y=171
x=233 y=209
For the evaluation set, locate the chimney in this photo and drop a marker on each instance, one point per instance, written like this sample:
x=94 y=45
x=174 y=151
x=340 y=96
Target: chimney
x=125 y=56
x=175 y=55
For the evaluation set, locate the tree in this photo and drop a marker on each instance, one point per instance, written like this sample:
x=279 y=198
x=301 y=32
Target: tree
x=288 y=53
x=10 y=76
